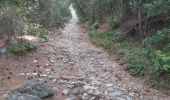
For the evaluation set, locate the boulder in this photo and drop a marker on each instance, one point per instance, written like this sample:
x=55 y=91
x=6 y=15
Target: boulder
x=37 y=89
x=22 y=96
x=32 y=91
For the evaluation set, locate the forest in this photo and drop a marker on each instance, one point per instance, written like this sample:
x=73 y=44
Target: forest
x=135 y=35
x=138 y=33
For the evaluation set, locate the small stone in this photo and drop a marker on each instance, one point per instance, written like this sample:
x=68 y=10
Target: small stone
x=96 y=83
x=71 y=86
x=109 y=85
x=132 y=94
x=120 y=98
x=51 y=61
x=43 y=75
x=45 y=53
x=28 y=74
x=66 y=92
x=55 y=89
x=54 y=80
x=97 y=93
x=115 y=93
x=73 y=98
x=21 y=74
x=88 y=87
x=77 y=92
x=21 y=96
x=48 y=70
x=93 y=98
x=110 y=89
x=106 y=93
x=35 y=61
x=34 y=74
x=85 y=96
x=47 y=64
x=128 y=98
x=51 y=77
x=41 y=80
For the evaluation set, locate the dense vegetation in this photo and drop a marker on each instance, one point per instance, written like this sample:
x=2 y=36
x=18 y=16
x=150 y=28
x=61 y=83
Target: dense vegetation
x=138 y=33
x=30 y=17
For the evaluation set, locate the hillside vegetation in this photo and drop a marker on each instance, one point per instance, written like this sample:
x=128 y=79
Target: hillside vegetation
x=138 y=32
x=30 y=17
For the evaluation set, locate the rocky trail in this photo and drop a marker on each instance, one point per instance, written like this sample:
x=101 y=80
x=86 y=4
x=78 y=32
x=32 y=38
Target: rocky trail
x=76 y=69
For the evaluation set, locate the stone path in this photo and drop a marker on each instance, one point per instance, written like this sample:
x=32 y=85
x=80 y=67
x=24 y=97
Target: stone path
x=88 y=72
x=80 y=70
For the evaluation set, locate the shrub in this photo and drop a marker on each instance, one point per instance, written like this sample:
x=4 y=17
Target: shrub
x=37 y=30
x=11 y=23
x=149 y=58
x=95 y=25
x=158 y=40
x=21 y=49
x=136 y=61
x=102 y=39
x=161 y=62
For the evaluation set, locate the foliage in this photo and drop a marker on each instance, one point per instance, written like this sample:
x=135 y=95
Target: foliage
x=21 y=48
x=11 y=23
x=158 y=40
x=50 y=13
x=149 y=58
x=33 y=17
x=118 y=12
x=157 y=7
x=95 y=25
x=161 y=62
x=47 y=13
x=102 y=39
x=37 y=30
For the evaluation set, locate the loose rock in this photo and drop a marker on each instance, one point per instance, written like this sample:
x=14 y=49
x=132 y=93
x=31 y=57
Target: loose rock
x=22 y=96
x=37 y=89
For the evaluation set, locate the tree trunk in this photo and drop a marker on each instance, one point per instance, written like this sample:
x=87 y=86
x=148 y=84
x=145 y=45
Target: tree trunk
x=140 y=8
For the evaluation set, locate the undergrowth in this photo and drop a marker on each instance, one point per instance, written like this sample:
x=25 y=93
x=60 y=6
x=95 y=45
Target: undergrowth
x=21 y=48
x=149 y=58
x=37 y=30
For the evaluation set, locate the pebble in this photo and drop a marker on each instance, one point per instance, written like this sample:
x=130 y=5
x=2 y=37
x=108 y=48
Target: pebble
x=48 y=70
x=85 y=96
x=22 y=96
x=66 y=92
x=21 y=74
x=34 y=74
x=35 y=61
x=43 y=75
x=72 y=98
x=109 y=85
x=115 y=93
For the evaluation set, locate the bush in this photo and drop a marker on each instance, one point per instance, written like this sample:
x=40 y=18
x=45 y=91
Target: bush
x=149 y=58
x=102 y=39
x=11 y=23
x=161 y=62
x=158 y=40
x=21 y=49
x=95 y=25
x=136 y=61
x=37 y=30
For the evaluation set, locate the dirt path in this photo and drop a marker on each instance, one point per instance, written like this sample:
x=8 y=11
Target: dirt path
x=77 y=69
